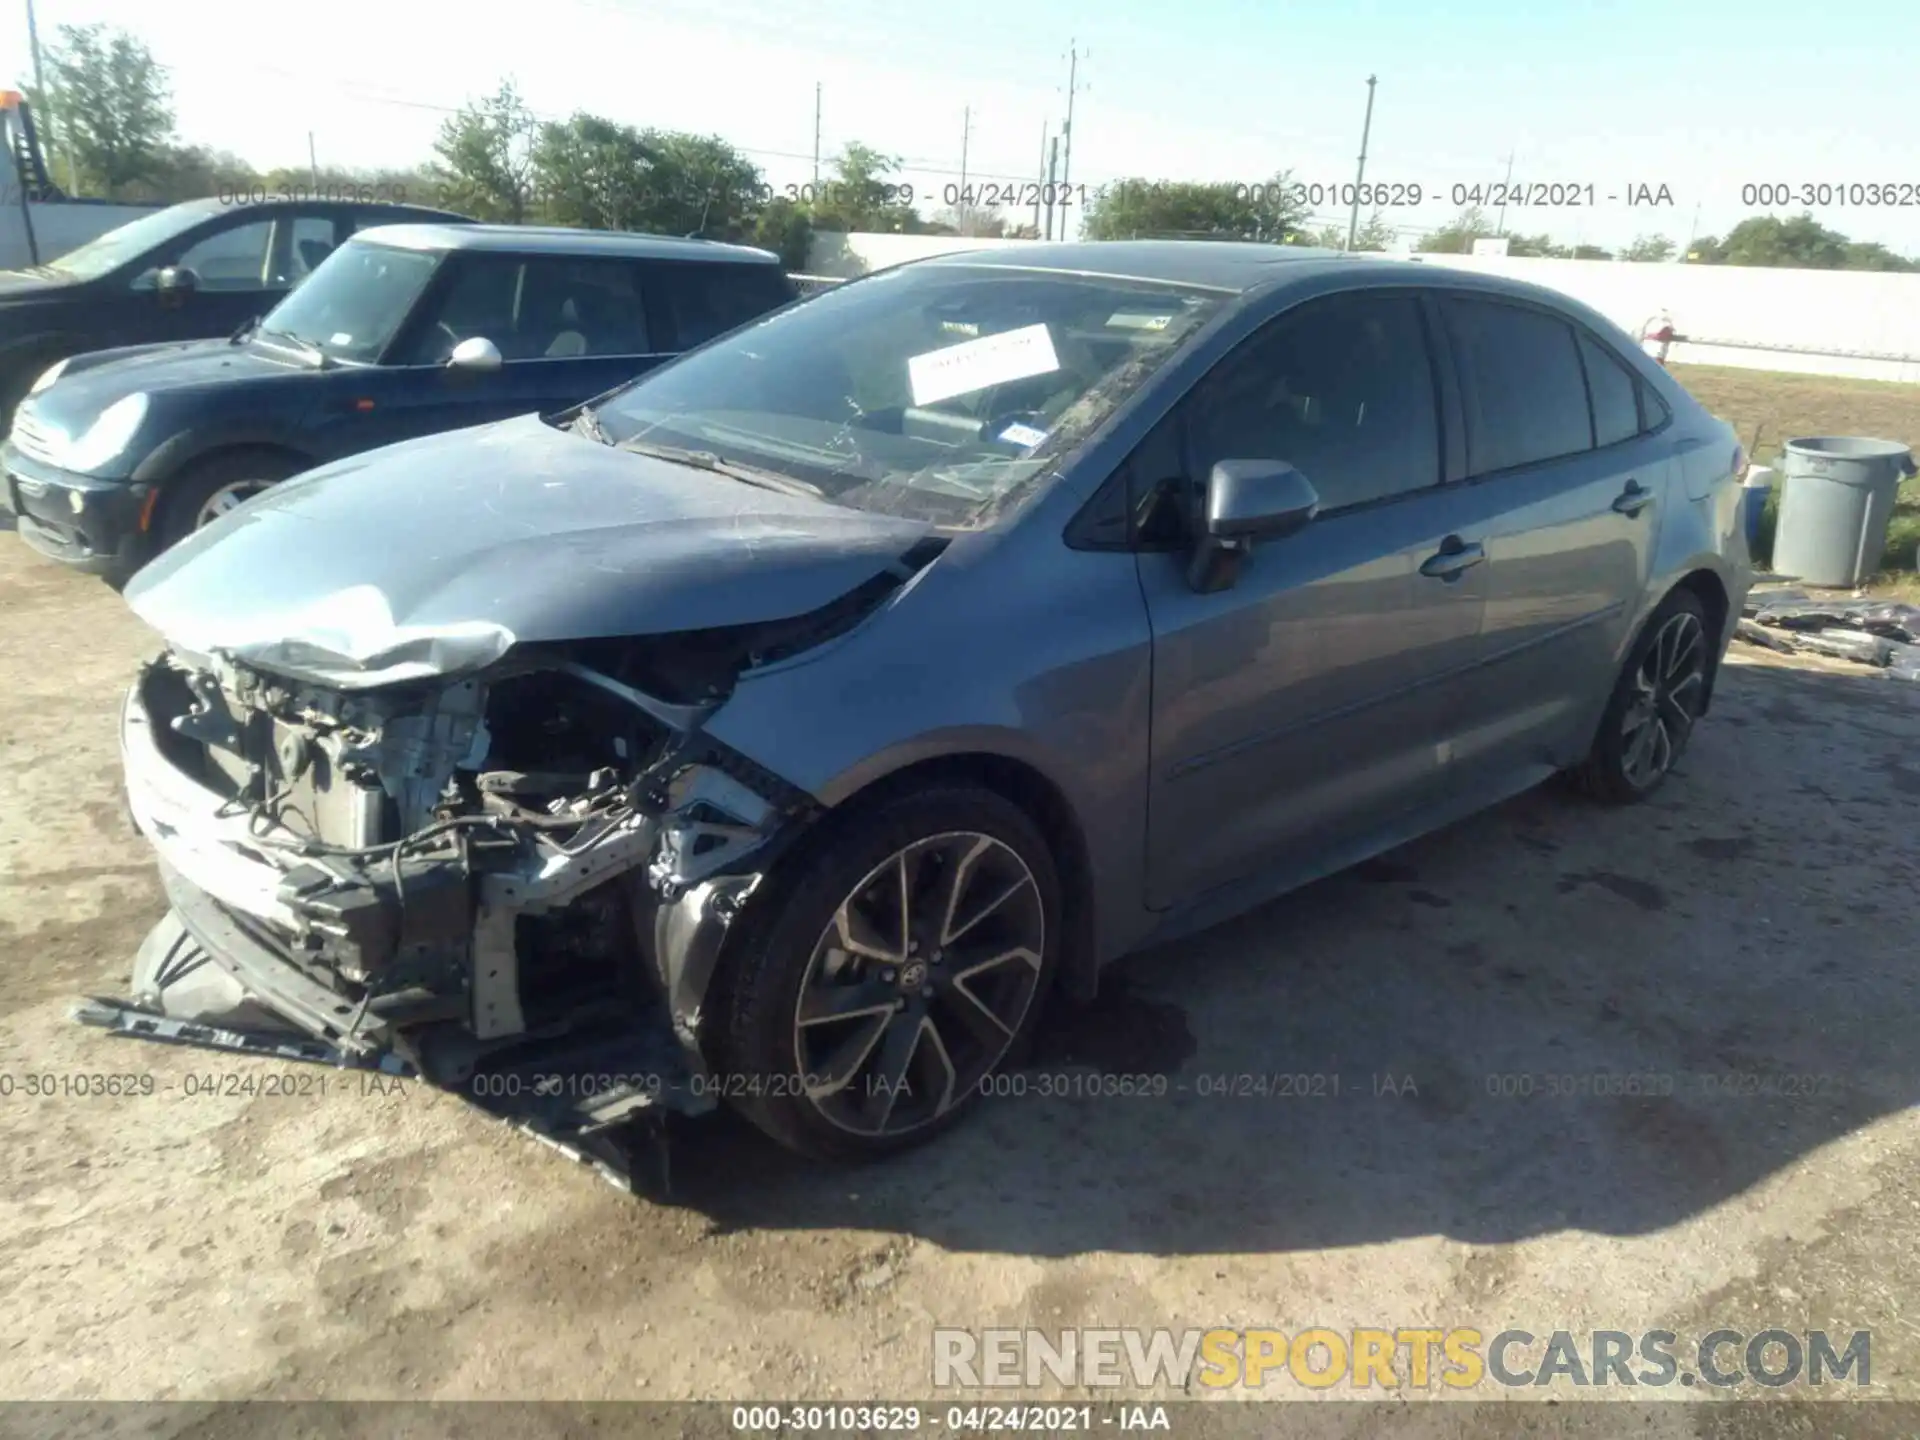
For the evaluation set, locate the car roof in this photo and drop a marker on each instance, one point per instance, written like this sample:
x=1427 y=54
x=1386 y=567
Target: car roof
x=214 y=205
x=1241 y=267
x=1232 y=265
x=559 y=240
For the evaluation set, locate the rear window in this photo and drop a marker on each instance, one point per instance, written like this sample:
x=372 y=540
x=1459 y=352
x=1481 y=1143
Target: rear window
x=702 y=301
x=1521 y=380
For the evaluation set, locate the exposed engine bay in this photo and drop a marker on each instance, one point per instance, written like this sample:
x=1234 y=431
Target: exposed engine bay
x=528 y=870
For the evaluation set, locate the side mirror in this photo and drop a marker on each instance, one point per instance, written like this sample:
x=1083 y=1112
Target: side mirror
x=1247 y=500
x=175 y=284
x=475 y=353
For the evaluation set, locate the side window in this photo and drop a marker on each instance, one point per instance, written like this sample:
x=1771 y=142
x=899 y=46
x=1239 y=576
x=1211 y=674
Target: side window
x=1521 y=383
x=702 y=301
x=234 y=259
x=1616 y=410
x=312 y=241
x=1653 y=410
x=479 y=298
x=1342 y=389
x=570 y=308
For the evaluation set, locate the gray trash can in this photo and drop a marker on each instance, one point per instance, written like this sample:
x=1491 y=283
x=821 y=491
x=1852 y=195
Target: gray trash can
x=1834 y=510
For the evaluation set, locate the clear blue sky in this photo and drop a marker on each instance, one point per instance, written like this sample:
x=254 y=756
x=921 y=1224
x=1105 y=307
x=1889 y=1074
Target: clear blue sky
x=1700 y=97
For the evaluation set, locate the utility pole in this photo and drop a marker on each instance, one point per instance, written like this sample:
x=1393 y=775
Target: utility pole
x=966 y=134
x=1053 y=167
x=1066 y=162
x=816 y=139
x=1505 y=186
x=1366 y=129
x=40 y=89
x=1040 y=190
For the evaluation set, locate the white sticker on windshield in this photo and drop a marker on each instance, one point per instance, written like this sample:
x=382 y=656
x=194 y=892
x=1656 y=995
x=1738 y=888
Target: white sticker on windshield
x=340 y=337
x=975 y=364
x=1022 y=435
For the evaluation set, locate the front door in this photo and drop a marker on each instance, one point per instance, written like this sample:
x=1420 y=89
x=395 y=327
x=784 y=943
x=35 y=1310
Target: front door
x=566 y=330
x=1313 y=701
x=236 y=275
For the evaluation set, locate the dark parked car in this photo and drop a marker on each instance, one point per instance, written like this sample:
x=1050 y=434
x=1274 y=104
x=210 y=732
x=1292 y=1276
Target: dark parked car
x=782 y=727
x=403 y=331
x=188 y=272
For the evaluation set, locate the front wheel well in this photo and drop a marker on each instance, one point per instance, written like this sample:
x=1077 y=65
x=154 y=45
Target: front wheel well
x=1711 y=591
x=1046 y=805
x=280 y=460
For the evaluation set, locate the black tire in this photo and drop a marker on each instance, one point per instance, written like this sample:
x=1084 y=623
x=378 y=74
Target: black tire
x=1610 y=772
x=756 y=1023
x=186 y=495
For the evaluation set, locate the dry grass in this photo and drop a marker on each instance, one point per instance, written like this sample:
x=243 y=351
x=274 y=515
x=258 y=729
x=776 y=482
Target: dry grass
x=1785 y=407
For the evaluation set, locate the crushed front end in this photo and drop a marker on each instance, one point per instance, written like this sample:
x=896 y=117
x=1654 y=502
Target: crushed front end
x=516 y=882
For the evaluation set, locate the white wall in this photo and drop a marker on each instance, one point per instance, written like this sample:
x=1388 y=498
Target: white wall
x=58 y=228
x=1746 y=316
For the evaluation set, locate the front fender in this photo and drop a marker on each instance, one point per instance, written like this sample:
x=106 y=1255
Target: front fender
x=186 y=447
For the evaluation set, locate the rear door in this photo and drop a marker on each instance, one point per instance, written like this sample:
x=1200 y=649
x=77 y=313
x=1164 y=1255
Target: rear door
x=1311 y=703
x=1565 y=487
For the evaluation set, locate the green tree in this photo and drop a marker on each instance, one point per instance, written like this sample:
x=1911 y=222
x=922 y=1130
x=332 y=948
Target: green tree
x=1768 y=240
x=1138 y=208
x=699 y=185
x=1650 y=249
x=1456 y=237
x=1372 y=234
x=594 y=173
x=483 y=163
x=1870 y=255
x=112 y=109
x=785 y=228
x=863 y=195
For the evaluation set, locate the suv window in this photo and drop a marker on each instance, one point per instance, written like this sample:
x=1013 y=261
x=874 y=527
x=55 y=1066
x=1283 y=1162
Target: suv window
x=702 y=301
x=1611 y=387
x=311 y=242
x=1341 y=388
x=234 y=259
x=1521 y=384
x=534 y=309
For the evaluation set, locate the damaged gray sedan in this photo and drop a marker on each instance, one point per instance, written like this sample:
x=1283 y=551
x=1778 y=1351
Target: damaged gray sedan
x=783 y=728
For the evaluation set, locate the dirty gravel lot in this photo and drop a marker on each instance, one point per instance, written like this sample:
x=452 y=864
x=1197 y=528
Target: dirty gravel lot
x=1760 y=918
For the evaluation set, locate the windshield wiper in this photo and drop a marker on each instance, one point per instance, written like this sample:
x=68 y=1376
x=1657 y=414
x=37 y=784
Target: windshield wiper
x=243 y=330
x=320 y=358
x=707 y=460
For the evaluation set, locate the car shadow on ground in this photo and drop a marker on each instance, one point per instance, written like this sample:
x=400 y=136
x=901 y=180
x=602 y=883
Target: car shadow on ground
x=1555 y=1015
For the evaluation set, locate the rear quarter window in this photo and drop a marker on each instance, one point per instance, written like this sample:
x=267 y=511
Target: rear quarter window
x=698 y=302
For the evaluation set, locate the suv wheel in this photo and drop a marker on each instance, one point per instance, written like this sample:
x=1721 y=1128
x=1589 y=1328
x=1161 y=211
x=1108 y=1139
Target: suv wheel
x=901 y=963
x=1654 y=705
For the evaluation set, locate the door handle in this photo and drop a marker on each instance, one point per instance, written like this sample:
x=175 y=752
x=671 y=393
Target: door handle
x=1453 y=560
x=1633 y=499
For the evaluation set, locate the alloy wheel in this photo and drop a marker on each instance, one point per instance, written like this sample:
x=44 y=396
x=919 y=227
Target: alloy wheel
x=227 y=497
x=919 y=983
x=1667 y=690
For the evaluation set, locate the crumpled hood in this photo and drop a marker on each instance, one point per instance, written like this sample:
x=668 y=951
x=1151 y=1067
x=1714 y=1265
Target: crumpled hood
x=438 y=555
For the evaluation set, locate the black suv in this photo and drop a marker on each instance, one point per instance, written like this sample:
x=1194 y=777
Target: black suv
x=402 y=332
x=188 y=272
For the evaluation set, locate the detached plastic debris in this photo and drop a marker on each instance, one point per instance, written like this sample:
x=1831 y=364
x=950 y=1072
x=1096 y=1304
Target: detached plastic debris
x=1881 y=633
